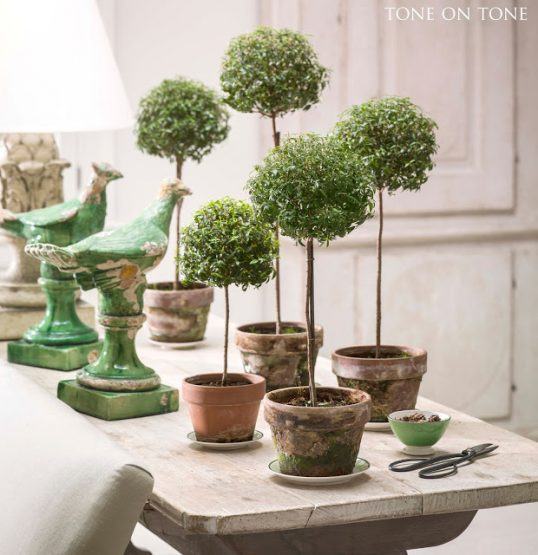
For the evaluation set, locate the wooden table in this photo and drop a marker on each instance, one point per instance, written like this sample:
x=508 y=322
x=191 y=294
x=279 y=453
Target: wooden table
x=227 y=502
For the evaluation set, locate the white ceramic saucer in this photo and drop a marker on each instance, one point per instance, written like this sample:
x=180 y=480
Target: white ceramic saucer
x=360 y=466
x=377 y=427
x=225 y=446
x=188 y=345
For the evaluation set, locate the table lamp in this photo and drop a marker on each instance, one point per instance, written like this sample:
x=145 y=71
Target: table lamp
x=58 y=75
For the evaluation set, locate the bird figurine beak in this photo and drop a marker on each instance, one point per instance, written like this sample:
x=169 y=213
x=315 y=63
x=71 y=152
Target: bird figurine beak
x=105 y=170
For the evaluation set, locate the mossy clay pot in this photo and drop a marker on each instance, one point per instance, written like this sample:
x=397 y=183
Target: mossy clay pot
x=317 y=441
x=177 y=315
x=279 y=358
x=223 y=414
x=393 y=380
x=418 y=434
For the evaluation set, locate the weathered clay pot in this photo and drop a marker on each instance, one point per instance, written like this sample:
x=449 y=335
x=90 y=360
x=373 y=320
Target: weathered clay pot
x=317 y=441
x=392 y=382
x=177 y=316
x=223 y=414
x=280 y=359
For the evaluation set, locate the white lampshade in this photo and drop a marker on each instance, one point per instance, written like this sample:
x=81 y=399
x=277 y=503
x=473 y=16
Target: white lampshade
x=57 y=70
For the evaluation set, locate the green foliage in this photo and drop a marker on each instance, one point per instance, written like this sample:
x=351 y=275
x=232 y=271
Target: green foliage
x=395 y=140
x=313 y=187
x=181 y=119
x=226 y=244
x=272 y=72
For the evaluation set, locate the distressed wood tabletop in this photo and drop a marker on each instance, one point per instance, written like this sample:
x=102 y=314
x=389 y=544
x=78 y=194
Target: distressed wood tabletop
x=207 y=492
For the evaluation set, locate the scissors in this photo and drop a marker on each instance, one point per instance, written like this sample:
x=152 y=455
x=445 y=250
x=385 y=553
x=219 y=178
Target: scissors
x=442 y=465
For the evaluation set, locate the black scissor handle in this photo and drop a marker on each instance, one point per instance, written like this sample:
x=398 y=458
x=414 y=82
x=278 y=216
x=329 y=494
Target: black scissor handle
x=438 y=471
x=406 y=465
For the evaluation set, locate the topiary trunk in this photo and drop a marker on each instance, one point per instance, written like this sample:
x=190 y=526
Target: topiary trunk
x=226 y=324
x=179 y=167
x=378 y=295
x=310 y=320
x=276 y=141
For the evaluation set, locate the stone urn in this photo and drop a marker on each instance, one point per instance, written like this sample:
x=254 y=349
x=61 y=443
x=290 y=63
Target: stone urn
x=392 y=381
x=279 y=358
x=31 y=177
x=317 y=441
x=177 y=315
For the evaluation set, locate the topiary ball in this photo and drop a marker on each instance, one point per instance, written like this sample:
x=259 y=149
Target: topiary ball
x=272 y=72
x=181 y=119
x=394 y=138
x=228 y=244
x=312 y=187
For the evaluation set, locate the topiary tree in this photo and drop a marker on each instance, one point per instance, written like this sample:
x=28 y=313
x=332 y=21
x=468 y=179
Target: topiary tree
x=228 y=244
x=182 y=120
x=396 y=142
x=272 y=72
x=315 y=191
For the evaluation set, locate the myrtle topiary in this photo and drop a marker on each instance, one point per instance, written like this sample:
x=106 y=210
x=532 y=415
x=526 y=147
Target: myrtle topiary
x=396 y=141
x=228 y=244
x=314 y=189
x=181 y=119
x=272 y=72
x=394 y=138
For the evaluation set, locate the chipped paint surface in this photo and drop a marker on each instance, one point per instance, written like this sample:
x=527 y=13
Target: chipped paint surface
x=126 y=277
x=154 y=249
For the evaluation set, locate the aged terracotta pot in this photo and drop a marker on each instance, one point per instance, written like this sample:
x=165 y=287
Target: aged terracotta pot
x=392 y=382
x=223 y=414
x=177 y=316
x=317 y=441
x=280 y=359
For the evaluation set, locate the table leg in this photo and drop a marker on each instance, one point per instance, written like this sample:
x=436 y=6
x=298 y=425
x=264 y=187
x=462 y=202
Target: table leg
x=378 y=537
x=133 y=550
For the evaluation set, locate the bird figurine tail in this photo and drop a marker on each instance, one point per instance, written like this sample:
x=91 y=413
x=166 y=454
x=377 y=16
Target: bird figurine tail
x=57 y=256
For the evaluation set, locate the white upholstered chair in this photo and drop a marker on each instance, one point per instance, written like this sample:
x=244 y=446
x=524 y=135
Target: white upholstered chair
x=66 y=489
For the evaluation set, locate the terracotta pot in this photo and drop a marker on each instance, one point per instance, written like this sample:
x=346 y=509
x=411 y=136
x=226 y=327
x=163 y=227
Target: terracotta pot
x=392 y=382
x=317 y=441
x=177 y=316
x=280 y=359
x=223 y=414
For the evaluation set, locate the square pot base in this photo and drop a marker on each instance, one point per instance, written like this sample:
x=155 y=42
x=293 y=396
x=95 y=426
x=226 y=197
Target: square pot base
x=62 y=357
x=113 y=405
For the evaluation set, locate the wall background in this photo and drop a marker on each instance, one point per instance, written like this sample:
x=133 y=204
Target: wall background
x=461 y=262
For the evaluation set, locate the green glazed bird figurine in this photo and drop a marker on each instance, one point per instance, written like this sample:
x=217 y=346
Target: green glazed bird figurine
x=62 y=224
x=115 y=262
x=68 y=222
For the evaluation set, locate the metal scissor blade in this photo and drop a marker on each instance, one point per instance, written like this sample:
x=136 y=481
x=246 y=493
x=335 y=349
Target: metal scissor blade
x=479 y=450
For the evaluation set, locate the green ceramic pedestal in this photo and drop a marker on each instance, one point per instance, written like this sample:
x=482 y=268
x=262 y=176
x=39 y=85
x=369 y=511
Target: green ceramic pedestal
x=118 y=385
x=61 y=341
x=66 y=357
x=109 y=405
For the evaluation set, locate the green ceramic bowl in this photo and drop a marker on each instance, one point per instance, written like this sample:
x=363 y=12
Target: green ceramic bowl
x=418 y=437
